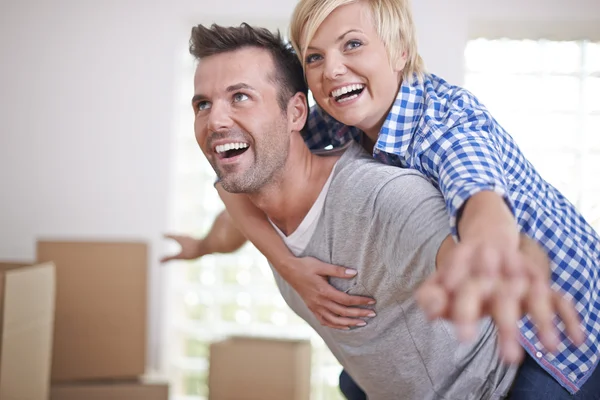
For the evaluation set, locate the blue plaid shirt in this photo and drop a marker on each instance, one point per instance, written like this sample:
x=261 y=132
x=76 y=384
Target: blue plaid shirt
x=445 y=133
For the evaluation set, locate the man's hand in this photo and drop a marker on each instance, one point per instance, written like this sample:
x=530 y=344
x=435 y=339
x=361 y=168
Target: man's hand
x=223 y=237
x=333 y=308
x=190 y=248
x=463 y=290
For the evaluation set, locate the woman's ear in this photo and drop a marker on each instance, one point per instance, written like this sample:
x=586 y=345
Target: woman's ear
x=400 y=62
x=297 y=111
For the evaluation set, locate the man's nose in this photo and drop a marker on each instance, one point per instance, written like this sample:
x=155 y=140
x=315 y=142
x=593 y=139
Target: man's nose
x=219 y=118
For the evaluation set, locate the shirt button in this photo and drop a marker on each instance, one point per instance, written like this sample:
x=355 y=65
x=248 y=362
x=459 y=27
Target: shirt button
x=538 y=354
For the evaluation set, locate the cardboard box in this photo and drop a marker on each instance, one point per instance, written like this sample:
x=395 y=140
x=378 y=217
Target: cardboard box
x=27 y=295
x=110 y=391
x=101 y=309
x=259 y=369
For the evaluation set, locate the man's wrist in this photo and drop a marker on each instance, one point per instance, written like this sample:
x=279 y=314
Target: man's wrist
x=203 y=247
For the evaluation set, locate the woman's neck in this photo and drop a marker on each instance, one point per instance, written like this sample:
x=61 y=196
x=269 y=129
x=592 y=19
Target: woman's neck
x=373 y=131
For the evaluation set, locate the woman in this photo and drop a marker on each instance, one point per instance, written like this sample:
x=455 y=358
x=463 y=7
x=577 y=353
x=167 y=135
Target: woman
x=363 y=68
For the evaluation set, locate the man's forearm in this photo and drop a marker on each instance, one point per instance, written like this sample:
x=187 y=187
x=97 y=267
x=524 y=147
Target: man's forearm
x=254 y=225
x=486 y=216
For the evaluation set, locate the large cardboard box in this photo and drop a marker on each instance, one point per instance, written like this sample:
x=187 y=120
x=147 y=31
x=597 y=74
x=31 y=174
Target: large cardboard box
x=101 y=309
x=27 y=295
x=246 y=368
x=110 y=391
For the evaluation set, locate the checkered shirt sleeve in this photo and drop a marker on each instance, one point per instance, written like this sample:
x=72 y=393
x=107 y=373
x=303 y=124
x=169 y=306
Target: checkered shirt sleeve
x=323 y=130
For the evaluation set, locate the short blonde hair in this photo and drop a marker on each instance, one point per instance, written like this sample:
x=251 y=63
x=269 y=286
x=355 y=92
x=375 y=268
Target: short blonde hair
x=393 y=23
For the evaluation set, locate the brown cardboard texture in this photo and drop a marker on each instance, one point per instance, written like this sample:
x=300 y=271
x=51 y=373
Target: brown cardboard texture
x=101 y=309
x=259 y=369
x=110 y=391
x=27 y=295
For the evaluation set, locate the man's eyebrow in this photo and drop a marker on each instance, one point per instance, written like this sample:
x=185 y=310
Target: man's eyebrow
x=231 y=88
x=341 y=37
x=239 y=86
x=197 y=98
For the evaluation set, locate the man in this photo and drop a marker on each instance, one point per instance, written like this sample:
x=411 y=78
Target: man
x=250 y=106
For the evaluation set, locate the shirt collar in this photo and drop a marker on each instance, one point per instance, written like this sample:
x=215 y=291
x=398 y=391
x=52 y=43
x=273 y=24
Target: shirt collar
x=401 y=123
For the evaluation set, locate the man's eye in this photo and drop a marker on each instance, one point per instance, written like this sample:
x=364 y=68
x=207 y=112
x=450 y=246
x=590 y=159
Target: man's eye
x=311 y=58
x=240 y=97
x=203 y=105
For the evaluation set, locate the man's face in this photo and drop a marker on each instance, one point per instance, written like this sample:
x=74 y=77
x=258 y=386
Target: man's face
x=239 y=125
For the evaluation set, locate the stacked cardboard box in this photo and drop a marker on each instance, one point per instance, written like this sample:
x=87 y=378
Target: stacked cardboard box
x=100 y=325
x=140 y=390
x=78 y=320
x=250 y=368
x=27 y=294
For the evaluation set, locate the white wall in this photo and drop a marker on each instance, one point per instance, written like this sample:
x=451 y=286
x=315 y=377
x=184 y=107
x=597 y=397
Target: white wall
x=88 y=103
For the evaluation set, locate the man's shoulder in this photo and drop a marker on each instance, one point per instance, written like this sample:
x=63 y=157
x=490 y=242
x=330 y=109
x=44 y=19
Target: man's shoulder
x=360 y=179
x=358 y=165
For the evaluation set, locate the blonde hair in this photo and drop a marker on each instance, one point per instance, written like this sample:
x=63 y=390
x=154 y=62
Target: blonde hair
x=393 y=23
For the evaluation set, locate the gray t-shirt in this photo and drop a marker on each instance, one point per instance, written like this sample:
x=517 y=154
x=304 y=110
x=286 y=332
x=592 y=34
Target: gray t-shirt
x=389 y=223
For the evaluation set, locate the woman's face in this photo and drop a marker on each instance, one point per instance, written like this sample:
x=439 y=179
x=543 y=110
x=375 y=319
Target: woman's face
x=348 y=70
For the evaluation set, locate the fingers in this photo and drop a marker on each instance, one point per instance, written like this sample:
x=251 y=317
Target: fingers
x=171 y=258
x=469 y=262
x=532 y=251
x=174 y=237
x=432 y=298
x=330 y=293
x=333 y=320
x=466 y=309
x=353 y=312
x=328 y=320
x=506 y=311
x=345 y=299
x=570 y=317
x=177 y=256
x=543 y=303
x=475 y=280
x=336 y=316
x=540 y=306
x=456 y=268
x=336 y=271
x=336 y=309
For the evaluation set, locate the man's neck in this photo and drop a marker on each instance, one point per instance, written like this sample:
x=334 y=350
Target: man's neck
x=289 y=197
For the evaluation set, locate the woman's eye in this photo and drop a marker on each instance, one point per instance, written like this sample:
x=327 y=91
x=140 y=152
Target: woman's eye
x=353 y=44
x=311 y=58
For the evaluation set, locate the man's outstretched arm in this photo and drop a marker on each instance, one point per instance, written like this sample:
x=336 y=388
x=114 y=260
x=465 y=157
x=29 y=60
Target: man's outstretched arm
x=415 y=220
x=223 y=237
x=526 y=291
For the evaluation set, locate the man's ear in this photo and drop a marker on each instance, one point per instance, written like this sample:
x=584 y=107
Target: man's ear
x=297 y=111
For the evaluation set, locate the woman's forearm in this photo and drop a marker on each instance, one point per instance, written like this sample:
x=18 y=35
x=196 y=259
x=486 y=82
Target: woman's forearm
x=255 y=226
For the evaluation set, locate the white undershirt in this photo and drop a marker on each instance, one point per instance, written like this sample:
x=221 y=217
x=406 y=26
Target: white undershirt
x=300 y=238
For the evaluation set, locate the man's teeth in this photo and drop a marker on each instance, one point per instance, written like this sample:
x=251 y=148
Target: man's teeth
x=230 y=146
x=346 y=89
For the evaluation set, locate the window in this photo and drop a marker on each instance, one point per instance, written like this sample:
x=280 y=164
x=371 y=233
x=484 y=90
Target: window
x=546 y=94
x=221 y=295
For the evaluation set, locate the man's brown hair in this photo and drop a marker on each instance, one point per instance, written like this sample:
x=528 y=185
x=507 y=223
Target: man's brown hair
x=289 y=76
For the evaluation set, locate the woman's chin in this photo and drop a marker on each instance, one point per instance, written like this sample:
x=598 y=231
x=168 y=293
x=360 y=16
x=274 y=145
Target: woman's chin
x=349 y=117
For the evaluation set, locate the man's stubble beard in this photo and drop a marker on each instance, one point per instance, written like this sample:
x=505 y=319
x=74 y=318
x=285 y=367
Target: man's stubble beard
x=269 y=162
